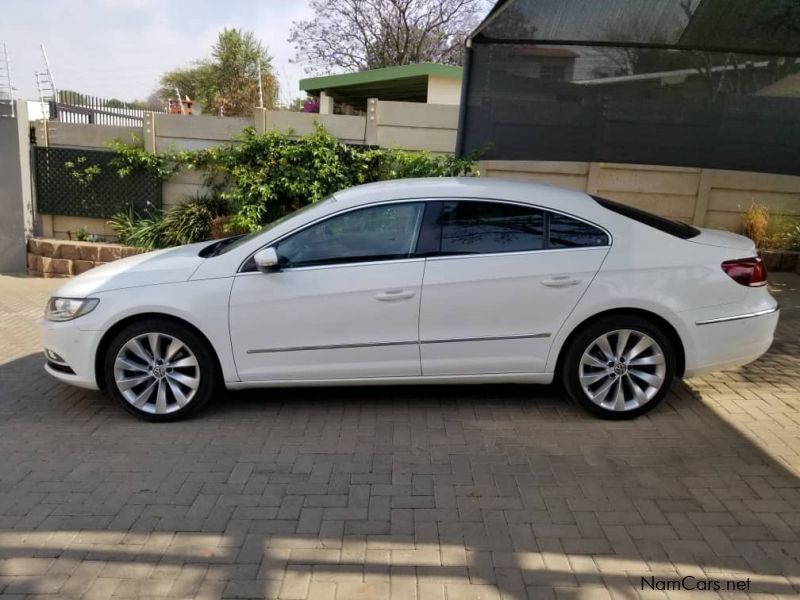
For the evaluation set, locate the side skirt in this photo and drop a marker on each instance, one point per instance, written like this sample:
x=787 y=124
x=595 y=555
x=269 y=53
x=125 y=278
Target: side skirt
x=530 y=378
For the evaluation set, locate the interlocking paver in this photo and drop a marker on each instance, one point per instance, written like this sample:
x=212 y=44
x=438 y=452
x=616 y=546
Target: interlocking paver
x=398 y=493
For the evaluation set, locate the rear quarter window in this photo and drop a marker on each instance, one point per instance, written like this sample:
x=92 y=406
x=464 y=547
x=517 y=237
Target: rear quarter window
x=566 y=232
x=675 y=228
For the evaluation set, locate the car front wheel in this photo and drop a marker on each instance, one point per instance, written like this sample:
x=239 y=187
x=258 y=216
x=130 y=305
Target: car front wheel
x=160 y=370
x=619 y=367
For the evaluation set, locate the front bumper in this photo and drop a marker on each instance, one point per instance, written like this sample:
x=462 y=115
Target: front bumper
x=76 y=350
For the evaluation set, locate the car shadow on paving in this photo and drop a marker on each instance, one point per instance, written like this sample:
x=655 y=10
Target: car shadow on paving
x=402 y=492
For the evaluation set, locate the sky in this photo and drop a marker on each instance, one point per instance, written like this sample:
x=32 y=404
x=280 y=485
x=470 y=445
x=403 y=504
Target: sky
x=120 y=48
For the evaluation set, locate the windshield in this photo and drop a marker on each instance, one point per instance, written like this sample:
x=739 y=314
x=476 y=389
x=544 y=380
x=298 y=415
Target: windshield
x=226 y=245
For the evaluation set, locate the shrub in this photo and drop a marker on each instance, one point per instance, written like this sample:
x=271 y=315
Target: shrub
x=225 y=226
x=793 y=239
x=755 y=223
x=270 y=175
x=258 y=178
x=184 y=224
x=142 y=232
x=783 y=234
x=191 y=221
x=82 y=235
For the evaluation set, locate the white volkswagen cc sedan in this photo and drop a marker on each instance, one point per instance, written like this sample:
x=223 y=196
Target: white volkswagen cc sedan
x=466 y=280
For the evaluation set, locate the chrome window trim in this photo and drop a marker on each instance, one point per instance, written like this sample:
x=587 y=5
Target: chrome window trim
x=751 y=315
x=399 y=343
x=370 y=263
x=279 y=239
x=539 y=207
x=426 y=200
x=516 y=253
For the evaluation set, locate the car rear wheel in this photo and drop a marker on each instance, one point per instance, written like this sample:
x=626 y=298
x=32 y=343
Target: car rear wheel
x=160 y=370
x=619 y=367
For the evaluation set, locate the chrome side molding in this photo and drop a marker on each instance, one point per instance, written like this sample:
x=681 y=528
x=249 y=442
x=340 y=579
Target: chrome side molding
x=400 y=343
x=759 y=313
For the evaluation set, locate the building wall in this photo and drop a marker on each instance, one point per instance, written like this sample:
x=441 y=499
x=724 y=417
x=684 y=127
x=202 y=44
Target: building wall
x=15 y=188
x=705 y=197
x=411 y=126
x=444 y=90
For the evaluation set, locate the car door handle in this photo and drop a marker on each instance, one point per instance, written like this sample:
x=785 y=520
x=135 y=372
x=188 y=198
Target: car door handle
x=390 y=295
x=560 y=281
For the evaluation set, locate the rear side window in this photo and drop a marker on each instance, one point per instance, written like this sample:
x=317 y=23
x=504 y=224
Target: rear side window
x=676 y=228
x=566 y=232
x=490 y=227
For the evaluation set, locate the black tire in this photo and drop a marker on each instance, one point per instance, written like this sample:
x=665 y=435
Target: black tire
x=586 y=339
x=195 y=347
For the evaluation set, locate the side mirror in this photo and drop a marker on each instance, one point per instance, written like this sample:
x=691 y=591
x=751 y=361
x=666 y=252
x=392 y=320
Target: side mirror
x=266 y=260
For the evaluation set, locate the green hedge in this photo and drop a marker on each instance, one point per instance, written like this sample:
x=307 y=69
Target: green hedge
x=258 y=178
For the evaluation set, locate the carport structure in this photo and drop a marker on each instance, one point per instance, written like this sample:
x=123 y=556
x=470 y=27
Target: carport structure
x=693 y=83
x=425 y=82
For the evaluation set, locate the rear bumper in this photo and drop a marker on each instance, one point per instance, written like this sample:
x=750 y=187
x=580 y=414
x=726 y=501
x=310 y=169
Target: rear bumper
x=729 y=341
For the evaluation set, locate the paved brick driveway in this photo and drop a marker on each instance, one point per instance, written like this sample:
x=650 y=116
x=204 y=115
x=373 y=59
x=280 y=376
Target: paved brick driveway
x=430 y=493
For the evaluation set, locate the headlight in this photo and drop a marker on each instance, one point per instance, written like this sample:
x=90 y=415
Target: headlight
x=66 y=309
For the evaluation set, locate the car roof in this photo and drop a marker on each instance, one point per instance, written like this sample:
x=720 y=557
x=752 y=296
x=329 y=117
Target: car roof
x=466 y=187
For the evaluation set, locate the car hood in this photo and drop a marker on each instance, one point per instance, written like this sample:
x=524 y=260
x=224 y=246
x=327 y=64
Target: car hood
x=152 y=268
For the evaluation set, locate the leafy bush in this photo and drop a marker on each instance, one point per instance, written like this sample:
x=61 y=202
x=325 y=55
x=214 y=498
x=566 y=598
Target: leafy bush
x=131 y=158
x=267 y=176
x=258 y=178
x=793 y=239
x=399 y=164
x=82 y=235
x=142 y=232
x=784 y=234
x=184 y=224
x=191 y=221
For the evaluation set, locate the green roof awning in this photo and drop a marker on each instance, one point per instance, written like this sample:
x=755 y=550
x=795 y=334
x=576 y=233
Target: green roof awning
x=404 y=83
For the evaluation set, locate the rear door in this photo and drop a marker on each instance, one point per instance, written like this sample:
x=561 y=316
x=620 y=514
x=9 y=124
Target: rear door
x=499 y=282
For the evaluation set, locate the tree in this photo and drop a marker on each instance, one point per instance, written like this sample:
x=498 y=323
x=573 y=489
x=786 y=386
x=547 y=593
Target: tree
x=356 y=35
x=71 y=97
x=227 y=82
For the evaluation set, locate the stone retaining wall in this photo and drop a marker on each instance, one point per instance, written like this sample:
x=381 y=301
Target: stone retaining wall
x=61 y=258
x=780 y=260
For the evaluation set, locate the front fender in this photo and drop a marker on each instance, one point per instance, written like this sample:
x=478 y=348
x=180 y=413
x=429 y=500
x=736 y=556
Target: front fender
x=203 y=304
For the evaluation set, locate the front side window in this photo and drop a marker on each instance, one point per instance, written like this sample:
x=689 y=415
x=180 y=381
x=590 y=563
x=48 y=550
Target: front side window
x=381 y=232
x=470 y=227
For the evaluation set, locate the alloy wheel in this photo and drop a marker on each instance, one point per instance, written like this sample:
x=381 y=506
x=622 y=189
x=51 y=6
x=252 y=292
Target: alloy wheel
x=157 y=373
x=622 y=370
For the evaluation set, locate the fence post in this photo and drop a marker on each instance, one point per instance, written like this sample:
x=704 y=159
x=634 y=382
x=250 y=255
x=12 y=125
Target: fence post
x=371 y=132
x=149 y=129
x=260 y=120
x=701 y=201
x=593 y=178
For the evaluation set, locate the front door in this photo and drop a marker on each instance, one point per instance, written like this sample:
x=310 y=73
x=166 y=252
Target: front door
x=344 y=304
x=504 y=279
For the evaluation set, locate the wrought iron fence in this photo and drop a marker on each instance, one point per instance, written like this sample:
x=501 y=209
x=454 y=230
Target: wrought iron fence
x=84 y=183
x=72 y=107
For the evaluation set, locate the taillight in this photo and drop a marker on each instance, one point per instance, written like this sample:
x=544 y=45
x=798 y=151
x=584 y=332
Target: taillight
x=746 y=271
